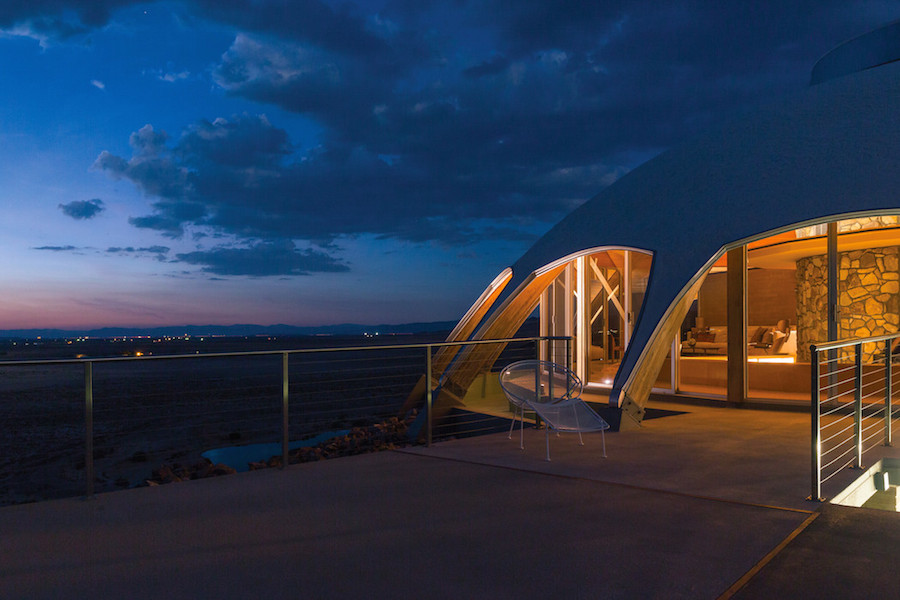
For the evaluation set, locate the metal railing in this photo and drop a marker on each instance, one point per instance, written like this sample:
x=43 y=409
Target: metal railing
x=78 y=426
x=852 y=389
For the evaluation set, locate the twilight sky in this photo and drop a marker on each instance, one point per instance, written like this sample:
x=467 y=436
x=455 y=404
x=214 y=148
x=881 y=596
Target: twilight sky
x=316 y=162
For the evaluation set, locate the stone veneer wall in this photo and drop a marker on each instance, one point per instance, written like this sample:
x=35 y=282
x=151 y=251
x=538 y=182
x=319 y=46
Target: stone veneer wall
x=860 y=224
x=868 y=297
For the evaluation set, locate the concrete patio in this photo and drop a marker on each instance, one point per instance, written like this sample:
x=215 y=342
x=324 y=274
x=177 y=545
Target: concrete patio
x=703 y=503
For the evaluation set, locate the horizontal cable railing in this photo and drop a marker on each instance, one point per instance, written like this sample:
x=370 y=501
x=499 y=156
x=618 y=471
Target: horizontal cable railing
x=79 y=426
x=853 y=385
x=488 y=407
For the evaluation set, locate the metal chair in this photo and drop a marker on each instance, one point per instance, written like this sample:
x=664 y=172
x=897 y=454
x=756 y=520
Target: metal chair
x=553 y=392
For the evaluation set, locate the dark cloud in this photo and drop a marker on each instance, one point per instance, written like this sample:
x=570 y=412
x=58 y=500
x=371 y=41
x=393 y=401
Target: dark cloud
x=57 y=19
x=344 y=31
x=150 y=166
x=236 y=177
x=82 y=209
x=493 y=66
x=263 y=259
x=455 y=122
x=169 y=227
x=238 y=143
x=57 y=248
x=581 y=88
x=304 y=79
x=160 y=253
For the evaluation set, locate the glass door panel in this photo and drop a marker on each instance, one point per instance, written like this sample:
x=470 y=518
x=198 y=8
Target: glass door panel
x=777 y=272
x=703 y=361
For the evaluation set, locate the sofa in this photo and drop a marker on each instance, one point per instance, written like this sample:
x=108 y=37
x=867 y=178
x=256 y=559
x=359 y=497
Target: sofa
x=761 y=340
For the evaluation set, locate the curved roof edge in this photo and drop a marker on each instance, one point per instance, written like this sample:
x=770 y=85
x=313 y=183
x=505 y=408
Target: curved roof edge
x=831 y=150
x=869 y=50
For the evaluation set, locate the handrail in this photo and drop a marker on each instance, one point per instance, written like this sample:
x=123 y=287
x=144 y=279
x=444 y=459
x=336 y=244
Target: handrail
x=109 y=359
x=90 y=393
x=836 y=344
x=843 y=386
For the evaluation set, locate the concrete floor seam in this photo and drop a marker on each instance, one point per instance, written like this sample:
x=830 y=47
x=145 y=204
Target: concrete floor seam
x=614 y=483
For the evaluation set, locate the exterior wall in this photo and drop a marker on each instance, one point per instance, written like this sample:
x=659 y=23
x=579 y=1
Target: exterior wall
x=786 y=163
x=868 y=297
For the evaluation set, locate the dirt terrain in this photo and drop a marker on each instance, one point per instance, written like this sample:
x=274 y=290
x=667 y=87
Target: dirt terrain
x=150 y=412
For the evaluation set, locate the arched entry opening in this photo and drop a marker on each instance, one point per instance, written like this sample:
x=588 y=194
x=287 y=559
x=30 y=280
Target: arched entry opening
x=595 y=299
x=746 y=331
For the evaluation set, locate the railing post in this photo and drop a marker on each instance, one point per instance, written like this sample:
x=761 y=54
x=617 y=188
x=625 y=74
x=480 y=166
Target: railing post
x=816 y=437
x=89 y=428
x=888 y=359
x=285 y=412
x=428 y=397
x=569 y=353
x=857 y=406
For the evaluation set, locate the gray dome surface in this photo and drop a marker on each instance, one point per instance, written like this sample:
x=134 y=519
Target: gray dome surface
x=832 y=150
x=873 y=49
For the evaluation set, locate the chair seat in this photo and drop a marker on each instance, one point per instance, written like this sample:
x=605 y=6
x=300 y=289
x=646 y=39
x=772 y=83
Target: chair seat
x=553 y=392
x=571 y=415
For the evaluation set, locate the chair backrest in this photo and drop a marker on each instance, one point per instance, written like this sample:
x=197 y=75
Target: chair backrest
x=534 y=381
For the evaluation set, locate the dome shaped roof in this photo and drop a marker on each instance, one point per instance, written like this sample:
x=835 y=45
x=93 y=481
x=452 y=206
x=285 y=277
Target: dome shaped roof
x=832 y=150
x=873 y=49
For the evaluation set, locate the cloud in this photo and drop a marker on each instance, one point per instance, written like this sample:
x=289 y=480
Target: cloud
x=98 y=84
x=243 y=142
x=263 y=259
x=151 y=167
x=57 y=248
x=160 y=253
x=492 y=66
x=346 y=31
x=47 y=20
x=83 y=209
x=173 y=77
x=241 y=177
x=169 y=227
x=453 y=123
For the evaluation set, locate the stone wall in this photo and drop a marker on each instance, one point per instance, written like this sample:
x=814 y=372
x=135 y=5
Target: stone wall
x=868 y=297
x=861 y=224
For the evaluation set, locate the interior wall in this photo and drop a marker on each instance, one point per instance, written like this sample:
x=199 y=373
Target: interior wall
x=771 y=295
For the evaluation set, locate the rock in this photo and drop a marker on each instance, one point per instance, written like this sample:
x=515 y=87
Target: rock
x=856 y=292
x=165 y=474
x=873 y=307
x=221 y=469
x=891 y=263
x=202 y=469
x=870 y=279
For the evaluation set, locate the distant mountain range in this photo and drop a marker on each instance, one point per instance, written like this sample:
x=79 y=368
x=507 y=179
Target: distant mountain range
x=230 y=330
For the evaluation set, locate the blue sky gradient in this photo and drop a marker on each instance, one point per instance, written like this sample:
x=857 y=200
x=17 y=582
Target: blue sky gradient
x=315 y=162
